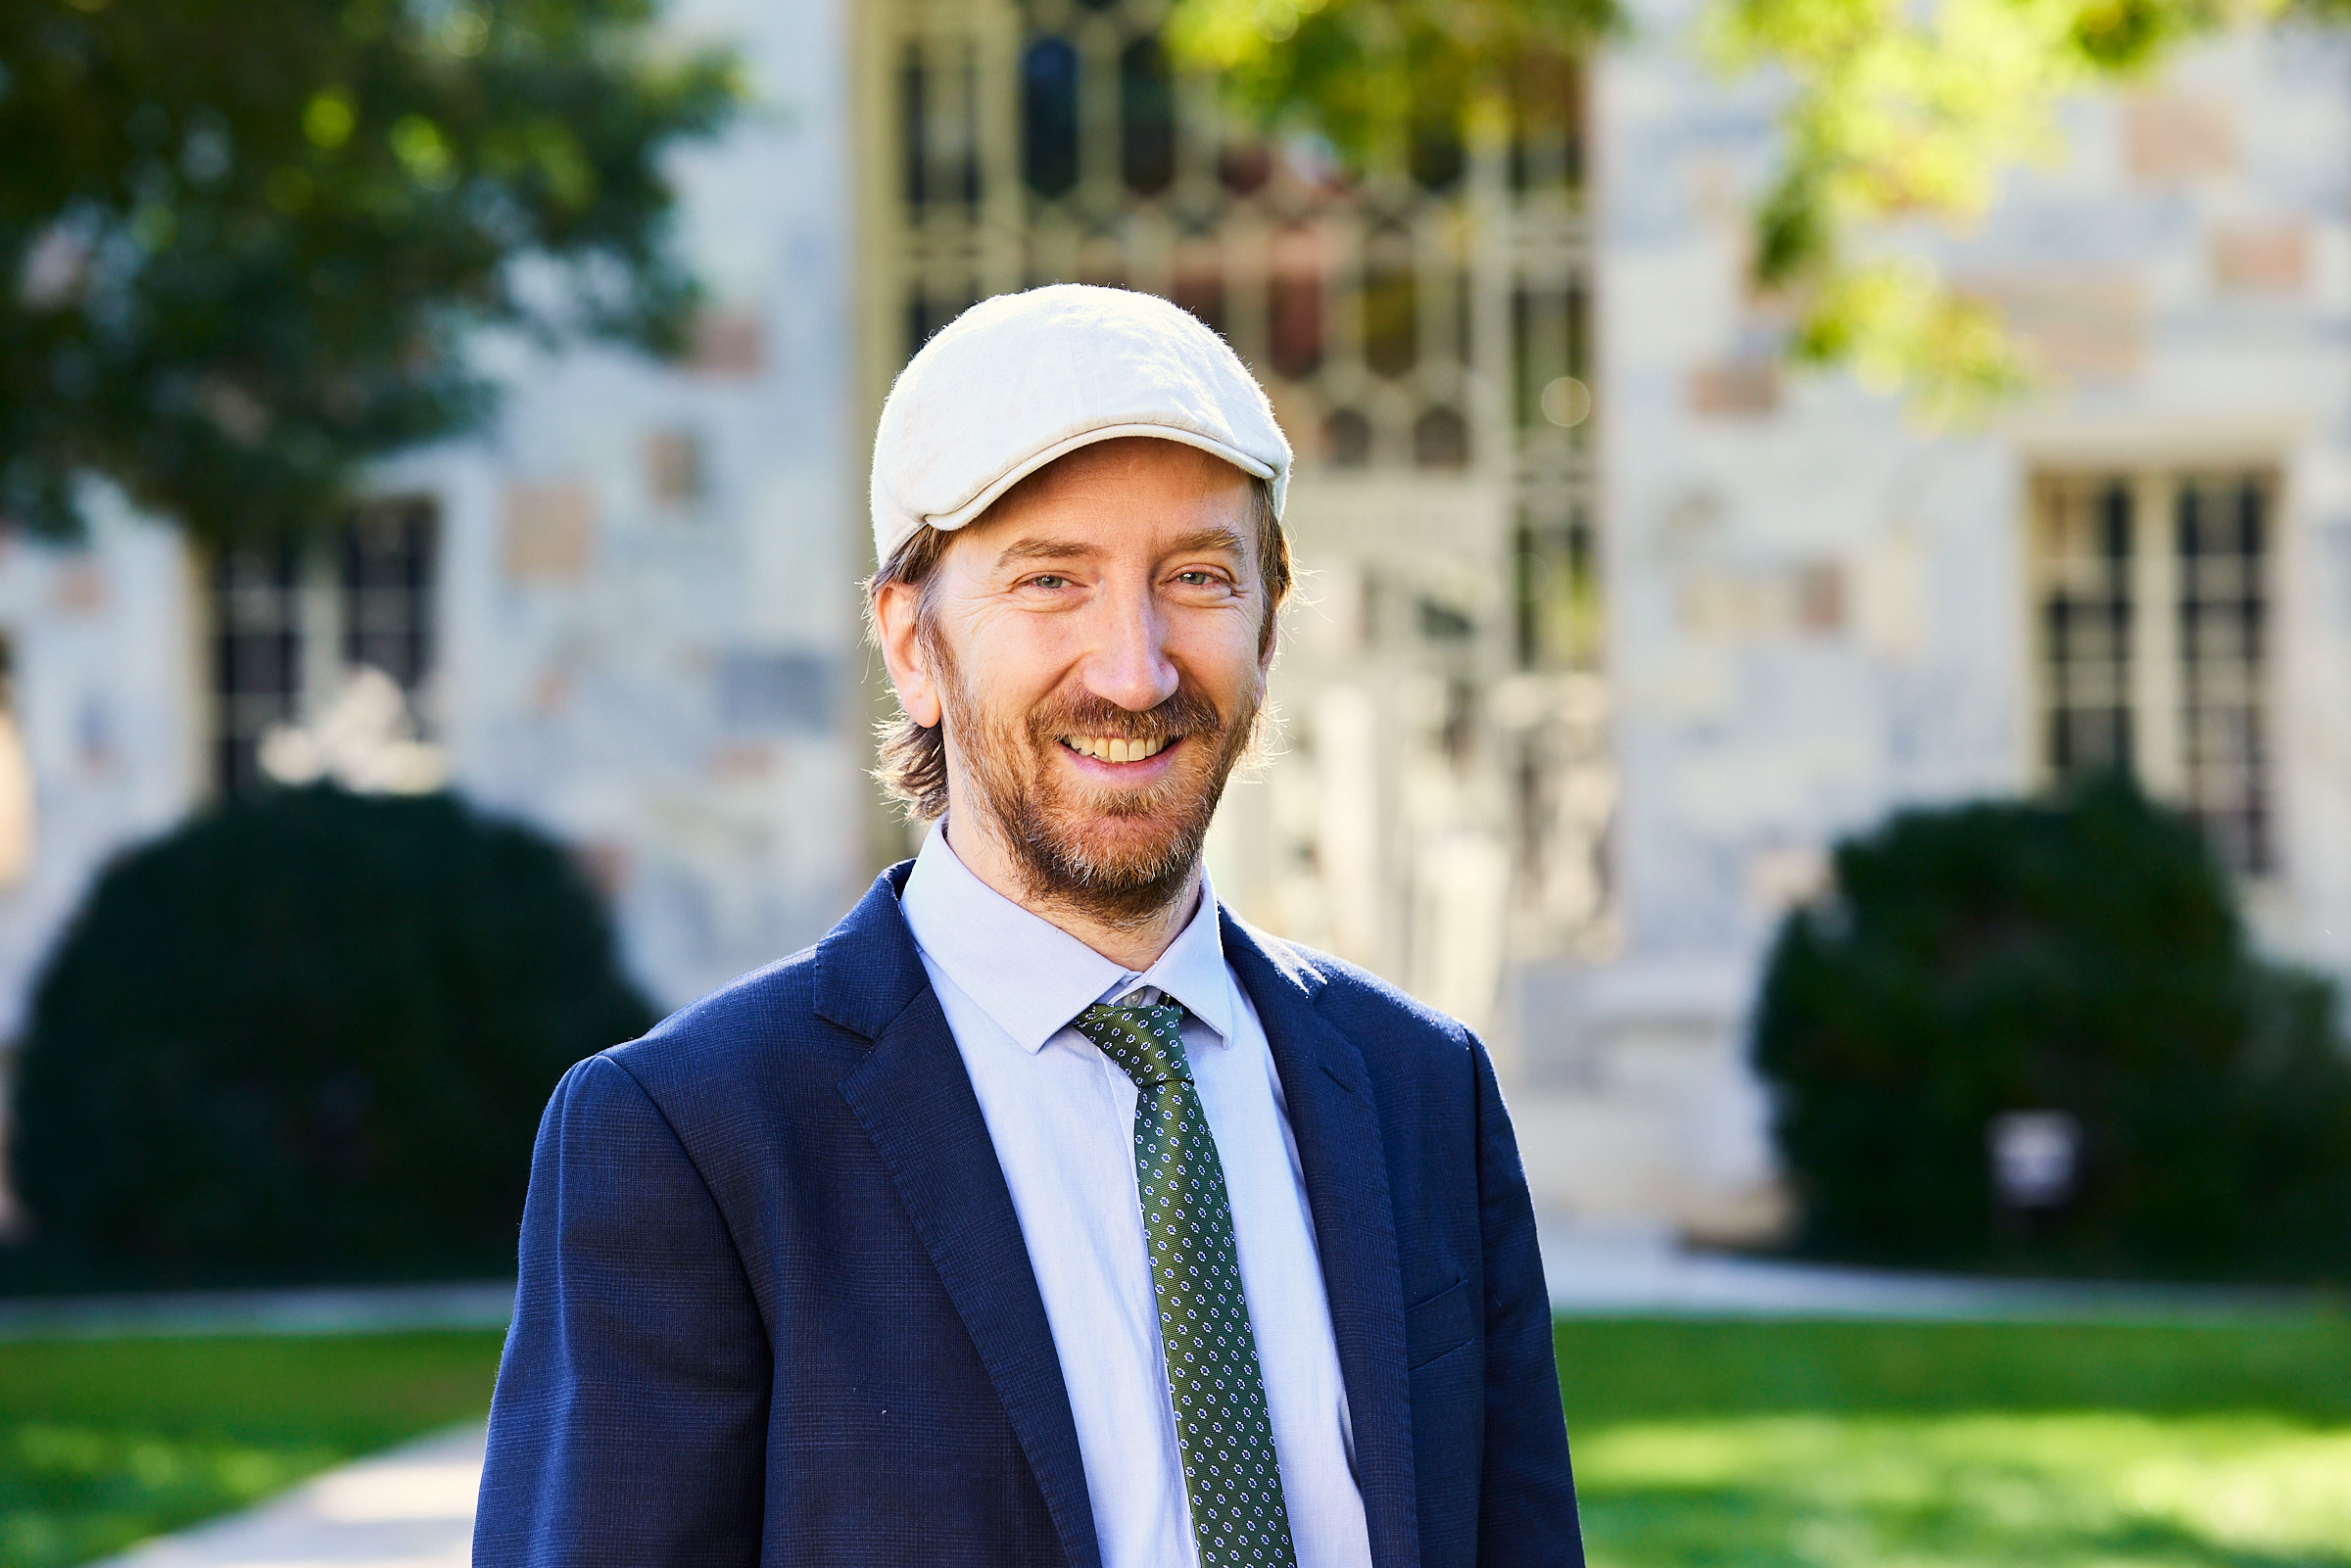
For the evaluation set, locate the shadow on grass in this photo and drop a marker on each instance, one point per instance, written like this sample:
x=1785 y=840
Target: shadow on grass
x=69 y=1494
x=1615 y=1369
x=1753 y=1527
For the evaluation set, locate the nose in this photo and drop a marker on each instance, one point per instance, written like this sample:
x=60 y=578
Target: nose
x=1129 y=664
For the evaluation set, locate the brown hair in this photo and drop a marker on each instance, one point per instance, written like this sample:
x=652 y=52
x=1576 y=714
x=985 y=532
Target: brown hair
x=913 y=765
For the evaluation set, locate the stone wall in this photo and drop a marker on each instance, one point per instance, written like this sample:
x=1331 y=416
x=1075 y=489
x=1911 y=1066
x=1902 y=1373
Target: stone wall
x=1818 y=609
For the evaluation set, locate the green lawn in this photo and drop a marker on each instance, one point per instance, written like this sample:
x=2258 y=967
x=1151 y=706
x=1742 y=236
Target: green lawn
x=1698 y=1444
x=105 y=1442
x=1938 y=1445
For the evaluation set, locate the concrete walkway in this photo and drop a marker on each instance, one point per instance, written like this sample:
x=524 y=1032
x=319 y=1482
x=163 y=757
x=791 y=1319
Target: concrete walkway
x=323 y=1309
x=1611 y=1273
x=409 y=1509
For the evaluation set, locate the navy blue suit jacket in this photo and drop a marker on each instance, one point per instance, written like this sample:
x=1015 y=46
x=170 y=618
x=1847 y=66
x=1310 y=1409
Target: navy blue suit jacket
x=775 y=1307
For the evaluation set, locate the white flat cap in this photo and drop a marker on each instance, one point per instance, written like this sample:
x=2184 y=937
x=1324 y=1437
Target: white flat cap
x=1021 y=379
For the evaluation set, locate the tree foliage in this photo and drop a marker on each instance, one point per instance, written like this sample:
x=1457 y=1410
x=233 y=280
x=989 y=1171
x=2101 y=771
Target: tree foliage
x=2081 y=957
x=240 y=242
x=1900 y=114
x=309 y=1035
x=1906 y=113
x=1368 y=73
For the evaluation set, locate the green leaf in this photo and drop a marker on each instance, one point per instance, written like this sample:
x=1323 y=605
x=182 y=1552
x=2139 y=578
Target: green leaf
x=260 y=233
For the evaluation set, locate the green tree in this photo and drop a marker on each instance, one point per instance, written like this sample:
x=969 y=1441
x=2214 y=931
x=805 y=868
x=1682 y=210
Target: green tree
x=241 y=244
x=1899 y=113
x=2084 y=957
x=307 y=1035
x=1367 y=72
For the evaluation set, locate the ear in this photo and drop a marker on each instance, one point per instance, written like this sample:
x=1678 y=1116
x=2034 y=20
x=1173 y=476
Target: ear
x=895 y=609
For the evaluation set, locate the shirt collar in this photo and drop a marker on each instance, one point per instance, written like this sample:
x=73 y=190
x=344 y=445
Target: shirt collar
x=1032 y=977
x=1192 y=970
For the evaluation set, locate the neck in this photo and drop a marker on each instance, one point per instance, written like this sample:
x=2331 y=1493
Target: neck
x=1131 y=944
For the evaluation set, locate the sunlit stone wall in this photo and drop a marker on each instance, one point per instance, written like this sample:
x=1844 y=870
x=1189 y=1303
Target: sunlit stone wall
x=1820 y=611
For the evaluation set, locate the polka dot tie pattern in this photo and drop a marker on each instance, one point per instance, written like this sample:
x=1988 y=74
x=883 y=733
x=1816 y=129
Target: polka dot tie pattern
x=1214 y=1385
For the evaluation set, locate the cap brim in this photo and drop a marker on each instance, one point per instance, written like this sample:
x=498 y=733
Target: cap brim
x=948 y=522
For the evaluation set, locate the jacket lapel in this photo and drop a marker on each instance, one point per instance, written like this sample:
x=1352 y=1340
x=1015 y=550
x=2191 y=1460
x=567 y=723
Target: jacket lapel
x=1345 y=1165
x=915 y=1101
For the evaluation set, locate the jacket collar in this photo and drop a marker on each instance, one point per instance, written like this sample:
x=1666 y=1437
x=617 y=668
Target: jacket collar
x=1343 y=1158
x=867 y=967
x=914 y=1099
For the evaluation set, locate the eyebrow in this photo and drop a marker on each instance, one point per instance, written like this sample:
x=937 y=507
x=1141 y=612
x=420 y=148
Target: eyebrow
x=1066 y=549
x=1209 y=538
x=1045 y=549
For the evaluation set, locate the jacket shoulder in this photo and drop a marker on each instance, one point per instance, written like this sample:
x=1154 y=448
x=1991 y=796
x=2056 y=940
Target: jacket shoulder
x=756 y=1028
x=1361 y=1005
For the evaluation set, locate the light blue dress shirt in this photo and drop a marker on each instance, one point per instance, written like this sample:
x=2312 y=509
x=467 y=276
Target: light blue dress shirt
x=1062 y=1117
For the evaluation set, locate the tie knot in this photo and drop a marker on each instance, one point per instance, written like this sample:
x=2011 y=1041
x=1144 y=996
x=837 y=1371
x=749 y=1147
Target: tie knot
x=1145 y=1041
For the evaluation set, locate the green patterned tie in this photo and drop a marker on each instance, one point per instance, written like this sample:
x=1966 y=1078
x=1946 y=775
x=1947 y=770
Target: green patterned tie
x=1219 y=1396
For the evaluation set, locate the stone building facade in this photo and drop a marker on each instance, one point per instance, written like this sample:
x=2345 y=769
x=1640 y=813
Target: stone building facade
x=1819 y=612
x=1610 y=624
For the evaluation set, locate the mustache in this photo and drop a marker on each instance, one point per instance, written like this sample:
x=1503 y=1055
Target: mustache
x=1186 y=712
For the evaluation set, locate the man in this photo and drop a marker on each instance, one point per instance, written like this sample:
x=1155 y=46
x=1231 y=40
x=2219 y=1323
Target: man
x=1042 y=1212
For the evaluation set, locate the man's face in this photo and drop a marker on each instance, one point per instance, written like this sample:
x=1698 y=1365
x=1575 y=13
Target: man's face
x=1095 y=646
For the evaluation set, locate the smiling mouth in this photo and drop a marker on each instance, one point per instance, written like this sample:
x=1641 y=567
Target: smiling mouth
x=1116 y=748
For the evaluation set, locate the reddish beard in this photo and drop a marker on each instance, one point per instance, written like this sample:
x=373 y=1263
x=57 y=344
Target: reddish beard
x=1118 y=855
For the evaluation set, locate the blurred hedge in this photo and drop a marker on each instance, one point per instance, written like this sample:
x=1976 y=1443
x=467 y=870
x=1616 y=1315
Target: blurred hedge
x=307 y=1035
x=2083 y=956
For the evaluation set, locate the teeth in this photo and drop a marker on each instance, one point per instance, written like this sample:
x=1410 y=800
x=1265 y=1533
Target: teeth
x=1114 y=748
